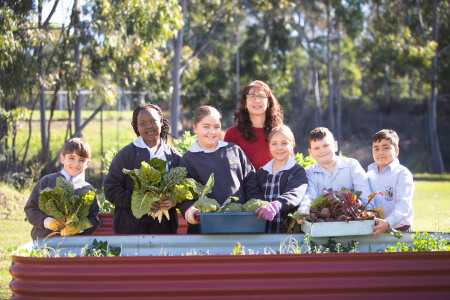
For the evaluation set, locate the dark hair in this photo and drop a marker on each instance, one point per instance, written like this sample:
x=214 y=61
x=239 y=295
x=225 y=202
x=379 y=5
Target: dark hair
x=203 y=111
x=274 y=114
x=165 y=126
x=387 y=134
x=77 y=145
x=318 y=134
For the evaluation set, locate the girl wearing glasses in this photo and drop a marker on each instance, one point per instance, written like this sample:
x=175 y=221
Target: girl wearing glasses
x=258 y=113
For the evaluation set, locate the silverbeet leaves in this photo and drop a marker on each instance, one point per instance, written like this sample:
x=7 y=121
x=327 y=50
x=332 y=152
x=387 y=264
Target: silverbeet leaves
x=61 y=203
x=152 y=182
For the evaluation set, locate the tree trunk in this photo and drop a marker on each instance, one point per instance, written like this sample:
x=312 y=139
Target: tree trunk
x=77 y=106
x=330 y=70
x=338 y=89
x=177 y=47
x=438 y=164
x=237 y=57
x=42 y=108
x=386 y=85
x=315 y=84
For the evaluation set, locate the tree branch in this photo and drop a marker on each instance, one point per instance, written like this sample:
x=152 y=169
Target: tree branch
x=442 y=18
x=50 y=14
x=443 y=49
x=200 y=50
x=422 y=27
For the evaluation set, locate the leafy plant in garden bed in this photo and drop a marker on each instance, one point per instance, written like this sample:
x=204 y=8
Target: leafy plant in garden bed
x=422 y=242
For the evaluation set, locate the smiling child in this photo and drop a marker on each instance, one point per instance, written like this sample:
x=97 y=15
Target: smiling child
x=234 y=175
x=282 y=181
x=388 y=176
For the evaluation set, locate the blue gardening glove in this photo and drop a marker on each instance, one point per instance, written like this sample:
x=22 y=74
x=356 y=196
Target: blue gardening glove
x=268 y=211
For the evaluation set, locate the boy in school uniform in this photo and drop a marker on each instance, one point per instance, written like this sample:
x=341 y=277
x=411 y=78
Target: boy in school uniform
x=332 y=171
x=388 y=176
x=75 y=158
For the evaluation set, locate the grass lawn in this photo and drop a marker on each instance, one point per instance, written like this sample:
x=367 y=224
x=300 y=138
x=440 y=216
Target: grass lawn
x=431 y=202
x=14 y=231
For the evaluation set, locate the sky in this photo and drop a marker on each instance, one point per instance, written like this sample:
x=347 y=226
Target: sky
x=62 y=13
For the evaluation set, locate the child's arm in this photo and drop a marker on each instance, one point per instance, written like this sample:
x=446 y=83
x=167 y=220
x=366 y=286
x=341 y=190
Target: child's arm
x=312 y=192
x=404 y=191
x=34 y=215
x=116 y=182
x=295 y=191
x=250 y=182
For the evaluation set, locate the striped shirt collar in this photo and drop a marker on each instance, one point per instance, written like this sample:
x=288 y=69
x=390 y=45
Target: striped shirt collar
x=288 y=165
x=196 y=147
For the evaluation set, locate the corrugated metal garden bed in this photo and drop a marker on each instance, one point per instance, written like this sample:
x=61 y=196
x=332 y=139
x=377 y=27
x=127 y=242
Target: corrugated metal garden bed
x=164 y=266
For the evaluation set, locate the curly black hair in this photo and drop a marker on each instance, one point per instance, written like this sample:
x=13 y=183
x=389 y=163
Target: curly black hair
x=274 y=114
x=165 y=127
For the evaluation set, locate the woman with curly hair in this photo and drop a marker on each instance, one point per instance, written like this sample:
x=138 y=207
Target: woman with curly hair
x=258 y=113
x=151 y=130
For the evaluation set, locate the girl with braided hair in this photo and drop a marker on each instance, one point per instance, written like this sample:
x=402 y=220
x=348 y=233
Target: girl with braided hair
x=152 y=131
x=258 y=113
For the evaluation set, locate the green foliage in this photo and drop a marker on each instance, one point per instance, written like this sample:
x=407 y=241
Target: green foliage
x=304 y=161
x=100 y=249
x=205 y=204
x=184 y=142
x=152 y=182
x=107 y=159
x=105 y=206
x=422 y=242
x=61 y=202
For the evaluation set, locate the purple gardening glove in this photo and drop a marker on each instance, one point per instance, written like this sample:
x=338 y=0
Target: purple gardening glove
x=268 y=211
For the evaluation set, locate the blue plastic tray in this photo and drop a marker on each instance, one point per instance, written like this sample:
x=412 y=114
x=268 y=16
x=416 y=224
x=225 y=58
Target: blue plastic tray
x=231 y=222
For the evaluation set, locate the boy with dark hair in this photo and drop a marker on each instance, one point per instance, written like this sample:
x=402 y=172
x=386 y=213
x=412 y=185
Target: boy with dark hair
x=395 y=181
x=332 y=171
x=75 y=158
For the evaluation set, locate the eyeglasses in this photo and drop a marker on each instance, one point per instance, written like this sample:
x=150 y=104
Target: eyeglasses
x=253 y=98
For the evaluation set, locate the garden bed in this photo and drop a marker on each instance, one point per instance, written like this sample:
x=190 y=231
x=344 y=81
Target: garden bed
x=416 y=275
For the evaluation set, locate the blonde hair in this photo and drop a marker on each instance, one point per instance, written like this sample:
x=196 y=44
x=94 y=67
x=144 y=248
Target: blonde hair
x=283 y=129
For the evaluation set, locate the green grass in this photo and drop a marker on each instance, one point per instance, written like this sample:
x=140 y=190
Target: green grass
x=431 y=202
x=14 y=231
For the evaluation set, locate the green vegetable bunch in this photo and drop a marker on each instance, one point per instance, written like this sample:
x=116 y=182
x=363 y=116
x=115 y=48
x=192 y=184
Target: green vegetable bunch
x=253 y=204
x=205 y=204
x=61 y=203
x=152 y=182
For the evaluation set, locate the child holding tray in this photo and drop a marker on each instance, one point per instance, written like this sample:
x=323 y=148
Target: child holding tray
x=282 y=181
x=234 y=175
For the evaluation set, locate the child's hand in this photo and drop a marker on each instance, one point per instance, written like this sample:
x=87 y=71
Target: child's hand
x=300 y=222
x=190 y=215
x=155 y=207
x=379 y=228
x=166 y=203
x=268 y=211
x=56 y=224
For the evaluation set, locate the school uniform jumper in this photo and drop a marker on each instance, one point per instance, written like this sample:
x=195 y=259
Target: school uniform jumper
x=287 y=187
x=234 y=175
x=119 y=188
x=37 y=217
x=397 y=185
